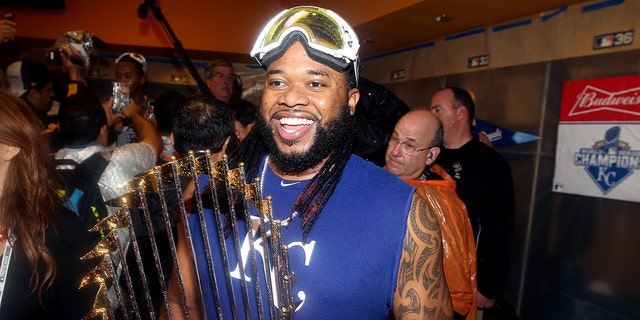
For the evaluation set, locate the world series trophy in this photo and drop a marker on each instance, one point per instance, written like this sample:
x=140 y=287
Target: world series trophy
x=238 y=258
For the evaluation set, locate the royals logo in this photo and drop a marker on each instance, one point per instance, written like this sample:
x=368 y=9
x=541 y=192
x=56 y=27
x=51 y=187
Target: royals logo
x=610 y=161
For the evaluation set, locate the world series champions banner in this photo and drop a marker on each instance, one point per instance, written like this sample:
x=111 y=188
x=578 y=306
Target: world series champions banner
x=598 y=150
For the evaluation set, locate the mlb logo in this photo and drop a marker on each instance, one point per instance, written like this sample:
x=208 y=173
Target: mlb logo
x=478 y=61
x=604 y=41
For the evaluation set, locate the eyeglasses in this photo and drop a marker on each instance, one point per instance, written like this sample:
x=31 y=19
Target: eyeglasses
x=324 y=31
x=221 y=76
x=406 y=147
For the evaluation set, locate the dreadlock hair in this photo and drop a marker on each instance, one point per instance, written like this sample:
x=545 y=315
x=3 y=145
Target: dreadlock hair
x=315 y=195
x=318 y=191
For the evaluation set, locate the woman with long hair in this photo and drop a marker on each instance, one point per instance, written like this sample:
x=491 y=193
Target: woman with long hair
x=41 y=242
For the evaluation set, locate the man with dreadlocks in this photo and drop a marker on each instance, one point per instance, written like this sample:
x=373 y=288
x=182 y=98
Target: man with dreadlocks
x=361 y=243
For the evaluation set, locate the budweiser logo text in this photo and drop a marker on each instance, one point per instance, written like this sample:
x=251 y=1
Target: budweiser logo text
x=593 y=99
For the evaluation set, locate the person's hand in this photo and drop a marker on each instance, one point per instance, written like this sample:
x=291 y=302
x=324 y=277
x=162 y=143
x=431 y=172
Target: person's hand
x=132 y=110
x=74 y=70
x=114 y=120
x=7 y=30
x=484 y=302
x=111 y=118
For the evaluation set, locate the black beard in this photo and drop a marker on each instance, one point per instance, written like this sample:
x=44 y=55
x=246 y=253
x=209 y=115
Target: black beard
x=337 y=133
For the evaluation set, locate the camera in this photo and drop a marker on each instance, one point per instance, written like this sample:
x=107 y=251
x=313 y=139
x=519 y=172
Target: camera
x=120 y=96
x=54 y=56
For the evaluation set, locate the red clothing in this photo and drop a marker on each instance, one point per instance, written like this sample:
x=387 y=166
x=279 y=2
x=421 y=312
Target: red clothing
x=457 y=240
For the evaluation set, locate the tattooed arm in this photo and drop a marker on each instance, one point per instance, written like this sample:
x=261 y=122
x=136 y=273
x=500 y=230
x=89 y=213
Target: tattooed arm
x=421 y=290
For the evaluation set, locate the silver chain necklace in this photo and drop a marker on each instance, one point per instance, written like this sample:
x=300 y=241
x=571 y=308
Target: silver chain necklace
x=262 y=176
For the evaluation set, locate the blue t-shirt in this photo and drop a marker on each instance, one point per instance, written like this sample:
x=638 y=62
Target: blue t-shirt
x=346 y=269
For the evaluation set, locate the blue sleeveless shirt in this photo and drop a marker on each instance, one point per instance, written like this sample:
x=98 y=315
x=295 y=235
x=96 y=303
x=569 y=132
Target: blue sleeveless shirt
x=347 y=268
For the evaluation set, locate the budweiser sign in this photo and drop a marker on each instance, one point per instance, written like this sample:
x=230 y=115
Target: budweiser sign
x=601 y=100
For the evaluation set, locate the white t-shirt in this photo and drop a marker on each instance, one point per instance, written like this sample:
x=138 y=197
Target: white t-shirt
x=124 y=163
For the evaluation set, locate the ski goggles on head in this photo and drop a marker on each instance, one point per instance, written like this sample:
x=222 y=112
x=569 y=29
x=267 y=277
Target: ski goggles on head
x=137 y=58
x=328 y=38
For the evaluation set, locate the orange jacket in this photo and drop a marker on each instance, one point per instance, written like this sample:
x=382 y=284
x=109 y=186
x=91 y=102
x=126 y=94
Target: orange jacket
x=457 y=240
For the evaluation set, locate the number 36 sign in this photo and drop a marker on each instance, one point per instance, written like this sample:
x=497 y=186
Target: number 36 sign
x=611 y=40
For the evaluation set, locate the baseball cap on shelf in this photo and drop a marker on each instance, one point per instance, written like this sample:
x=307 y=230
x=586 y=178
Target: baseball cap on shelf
x=136 y=58
x=26 y=74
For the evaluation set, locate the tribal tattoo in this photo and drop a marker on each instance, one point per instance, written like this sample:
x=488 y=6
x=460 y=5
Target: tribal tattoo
x=421 y=290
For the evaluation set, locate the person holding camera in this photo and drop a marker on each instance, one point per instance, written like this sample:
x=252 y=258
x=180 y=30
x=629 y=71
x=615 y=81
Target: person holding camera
x=131 y=69
x=84 y=124
x=73 y=51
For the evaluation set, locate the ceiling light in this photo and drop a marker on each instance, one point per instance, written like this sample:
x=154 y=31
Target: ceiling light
x=442 y=18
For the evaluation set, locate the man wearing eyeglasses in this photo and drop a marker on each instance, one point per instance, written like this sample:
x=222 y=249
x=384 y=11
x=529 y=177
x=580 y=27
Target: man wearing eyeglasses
x=361 y=243
x=411 y=154
x=221 y=80
x=226 y=86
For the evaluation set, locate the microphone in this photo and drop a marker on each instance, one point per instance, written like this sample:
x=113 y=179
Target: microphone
x=143 y=10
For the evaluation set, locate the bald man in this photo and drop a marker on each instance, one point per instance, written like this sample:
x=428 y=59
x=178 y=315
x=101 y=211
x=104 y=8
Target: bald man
x=411 y=153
